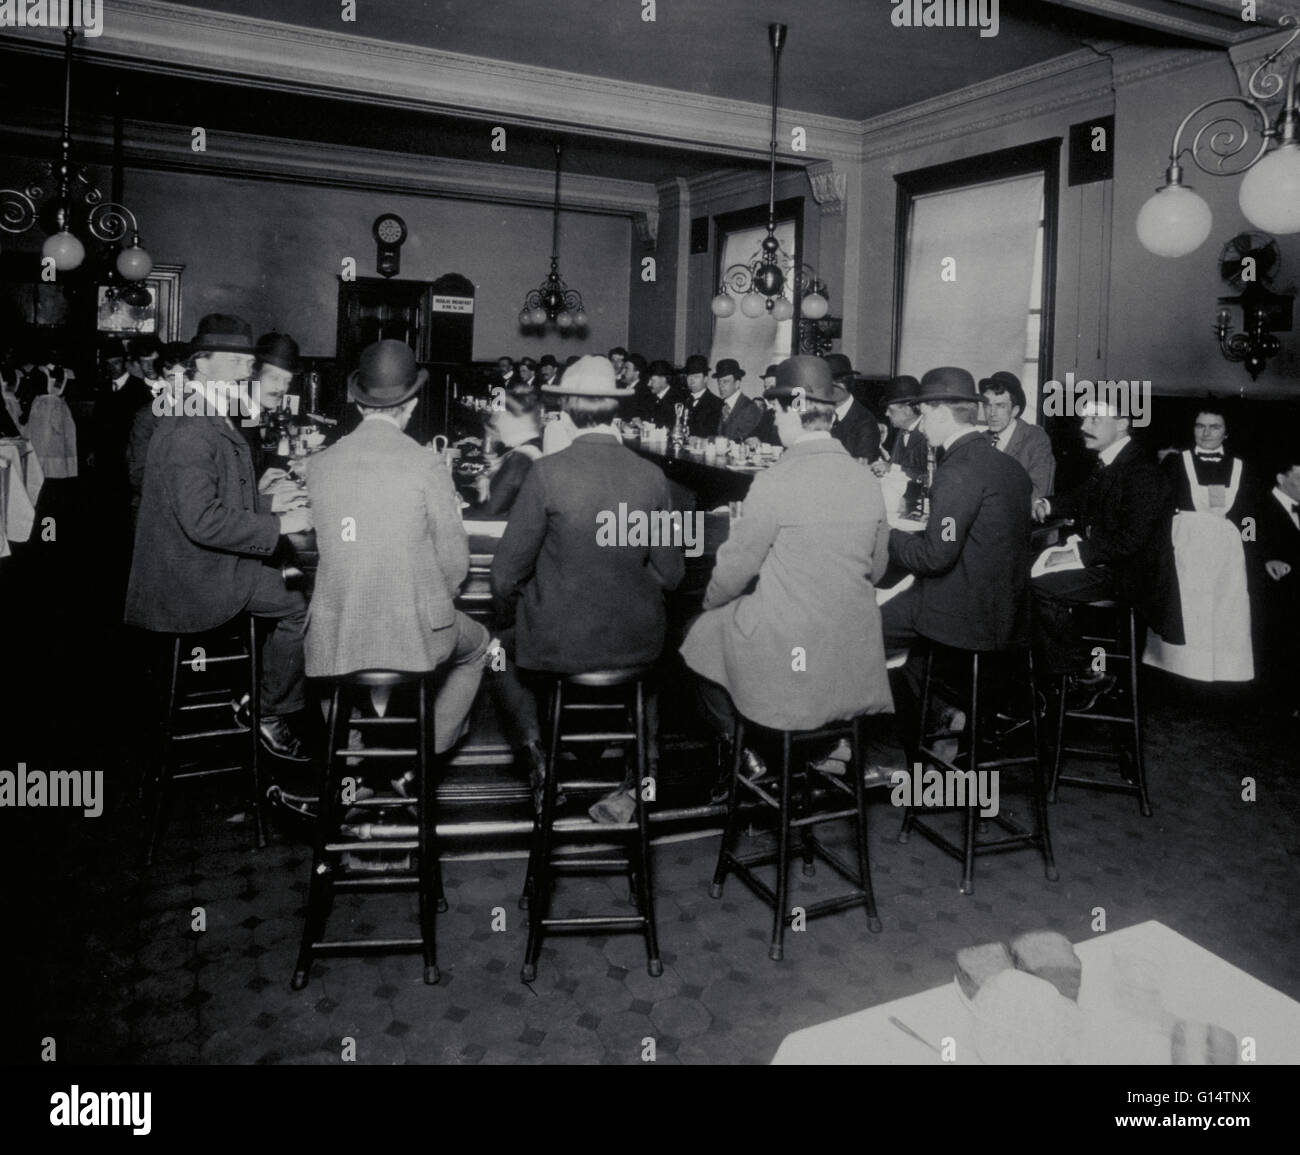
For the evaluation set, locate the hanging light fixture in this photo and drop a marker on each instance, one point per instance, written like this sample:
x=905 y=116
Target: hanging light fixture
x=761 y=283
x=553 y=302
x=1177 y=221
x=106 y=221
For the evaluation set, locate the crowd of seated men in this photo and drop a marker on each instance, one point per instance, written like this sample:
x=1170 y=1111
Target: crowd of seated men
x=791 y=634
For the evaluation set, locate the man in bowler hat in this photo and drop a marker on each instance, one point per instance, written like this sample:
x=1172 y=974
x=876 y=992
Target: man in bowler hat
x=205 y=536
x=703 y=407
x=971 y=562
x=855 y=425
x=742 y=417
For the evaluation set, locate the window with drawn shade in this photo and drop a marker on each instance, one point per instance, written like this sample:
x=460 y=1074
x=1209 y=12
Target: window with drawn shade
x=973 y=271
x=755 y=342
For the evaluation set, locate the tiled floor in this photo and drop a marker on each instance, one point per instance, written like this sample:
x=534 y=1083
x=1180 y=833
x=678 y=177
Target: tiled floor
x=112 y=970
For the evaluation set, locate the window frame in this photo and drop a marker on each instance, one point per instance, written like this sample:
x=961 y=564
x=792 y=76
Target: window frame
x=1042 y=157
x=789 y=209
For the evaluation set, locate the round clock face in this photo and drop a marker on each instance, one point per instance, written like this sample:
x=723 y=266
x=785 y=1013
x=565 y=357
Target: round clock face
x=390 y=229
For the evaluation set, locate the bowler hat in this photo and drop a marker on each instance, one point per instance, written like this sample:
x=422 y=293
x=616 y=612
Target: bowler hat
x=111 y=348
x=1004 y=382
x=947 y=384
x=387 y=375
x=589 y=376
x=770 y=371
x=222 y=333
x=901 y=391
x=660 y=369
x=145 y=345
x=527 y=363
x=548 y=359
x=278 y=349
x=695 y=363
x=840 y=365
x=637 y=360
x=728 y=367
x=173 y=353
x=811 y=375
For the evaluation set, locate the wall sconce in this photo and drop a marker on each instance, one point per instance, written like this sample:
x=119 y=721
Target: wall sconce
x=816 y=329
x=1263 y=313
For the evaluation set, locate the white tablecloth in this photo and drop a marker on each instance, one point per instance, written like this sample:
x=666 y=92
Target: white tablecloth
x=1194 y=985
x=21 y=479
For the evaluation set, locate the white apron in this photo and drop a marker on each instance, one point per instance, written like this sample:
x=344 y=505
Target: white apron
x=1211 y=565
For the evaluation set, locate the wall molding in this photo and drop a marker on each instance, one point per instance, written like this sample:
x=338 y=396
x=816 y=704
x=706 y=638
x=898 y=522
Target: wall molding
x=241 y=155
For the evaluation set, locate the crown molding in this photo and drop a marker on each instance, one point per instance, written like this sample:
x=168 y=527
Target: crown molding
x=1164 y=19
x=167 y=148
x=170 y=39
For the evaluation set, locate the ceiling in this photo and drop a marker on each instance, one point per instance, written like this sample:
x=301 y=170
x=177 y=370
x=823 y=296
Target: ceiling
x=842 y=58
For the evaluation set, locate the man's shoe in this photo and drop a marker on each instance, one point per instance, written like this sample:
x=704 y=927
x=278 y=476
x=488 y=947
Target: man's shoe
x=279 y=739
x=615 y=808
x=1084 y=691
x=752 y=766
x=877 y=775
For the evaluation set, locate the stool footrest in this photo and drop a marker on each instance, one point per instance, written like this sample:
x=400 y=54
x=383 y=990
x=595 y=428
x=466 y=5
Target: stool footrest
x=206 y=772
x=1100 y=784
x=378 y=881
x=391 y=753
x=224 y=732
x=596 y=922
x=387 y=720
x=583 y=864
x=366 y=945
x=587 y=739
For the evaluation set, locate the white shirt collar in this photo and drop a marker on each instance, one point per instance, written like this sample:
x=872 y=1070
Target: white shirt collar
x=1112 y=451
x=842 y=409
x=1286 y=501
x=118 y=382
x=382 y=416
x=1004 y=438
x=607 y=430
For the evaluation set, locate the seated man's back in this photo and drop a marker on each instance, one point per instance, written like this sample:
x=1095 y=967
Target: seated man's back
x=393 y=553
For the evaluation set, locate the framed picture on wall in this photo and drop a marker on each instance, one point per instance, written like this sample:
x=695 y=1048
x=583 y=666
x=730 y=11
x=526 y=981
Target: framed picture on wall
x=159 y=315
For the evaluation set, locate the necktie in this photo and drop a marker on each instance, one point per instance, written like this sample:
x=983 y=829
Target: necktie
x=993 y=437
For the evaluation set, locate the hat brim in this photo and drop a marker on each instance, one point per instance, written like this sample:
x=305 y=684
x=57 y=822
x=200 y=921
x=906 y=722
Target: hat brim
x=222 y=345
x=939 y=397
x=785 y=393
x=587 y=391
x=362 y=398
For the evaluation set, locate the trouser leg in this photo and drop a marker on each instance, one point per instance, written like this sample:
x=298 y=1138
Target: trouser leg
x=459 y=685
x=282 y=657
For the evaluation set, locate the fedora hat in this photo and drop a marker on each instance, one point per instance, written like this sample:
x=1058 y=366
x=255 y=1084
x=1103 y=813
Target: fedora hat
x=589 y=376
x=947 y=383
x=111 y=348
x=901 y=391
x=278 y=349
x=387 y=375
x=222 y=333
x=811 y=374
x=728 y=367
x=696 y=363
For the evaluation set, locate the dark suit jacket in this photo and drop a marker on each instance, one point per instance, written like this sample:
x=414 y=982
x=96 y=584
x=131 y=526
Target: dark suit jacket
x=203 y=533
x=114 y=413
x=658 y=410
x=705 y=415
x=1031 y=446
x=747 y=418
x=579 y=605
x=972 y=561
x=1275 y=604
x=912 y=458
x=858 y=432
x=1123 y=513
x=507 y=482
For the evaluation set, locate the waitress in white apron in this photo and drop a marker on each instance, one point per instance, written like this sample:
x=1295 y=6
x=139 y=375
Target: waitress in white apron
x=1210 y=561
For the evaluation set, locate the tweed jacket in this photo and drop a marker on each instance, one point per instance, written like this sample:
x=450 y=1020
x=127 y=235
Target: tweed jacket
x=1031 y=446
x=805 y=648
x=203 y=532
x=393 y=553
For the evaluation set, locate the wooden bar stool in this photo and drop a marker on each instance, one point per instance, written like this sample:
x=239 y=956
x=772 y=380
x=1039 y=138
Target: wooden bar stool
x=1126 y=720
x=543 y=865
x=807 y=819
x=192 y=699
x=976 y=733
x=329 y=873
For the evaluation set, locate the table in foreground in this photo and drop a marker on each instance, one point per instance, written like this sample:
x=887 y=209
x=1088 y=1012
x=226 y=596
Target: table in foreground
x=1195 y=985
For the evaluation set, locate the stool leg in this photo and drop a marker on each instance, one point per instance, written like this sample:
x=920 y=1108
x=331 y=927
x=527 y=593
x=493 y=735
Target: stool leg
x=860 y=826
x=540 y=857
x=806 y=832
x=909 y=816
x=1139 y=765
x=1040 y=799
x=321 y=890
x=1058 y=752
x=777 y=950
x=155 y=803
x=972 y=764
x=526 y=895
x=731 y=825
x=642 y=877
x=255 y=709
x=429 y=882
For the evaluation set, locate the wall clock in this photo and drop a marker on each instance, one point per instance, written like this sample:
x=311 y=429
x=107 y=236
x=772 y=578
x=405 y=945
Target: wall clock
x=390 y=233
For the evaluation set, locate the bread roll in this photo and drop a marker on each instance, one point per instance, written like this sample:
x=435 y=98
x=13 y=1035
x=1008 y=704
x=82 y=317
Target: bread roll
x=1049 y=955
x=977 y=964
